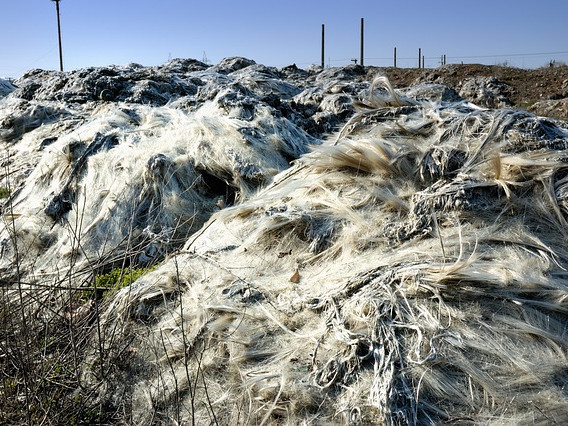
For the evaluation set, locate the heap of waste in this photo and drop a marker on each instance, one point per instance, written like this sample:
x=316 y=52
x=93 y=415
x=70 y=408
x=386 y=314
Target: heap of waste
x=323 y=249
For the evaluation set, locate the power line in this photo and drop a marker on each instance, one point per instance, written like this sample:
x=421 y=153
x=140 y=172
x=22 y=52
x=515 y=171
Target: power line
x=448 y=57
x=511 y=54
x=473 y=56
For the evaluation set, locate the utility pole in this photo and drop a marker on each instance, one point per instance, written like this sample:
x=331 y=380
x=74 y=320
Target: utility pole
x=362 y=37
x=59 y=34
x=323 y=46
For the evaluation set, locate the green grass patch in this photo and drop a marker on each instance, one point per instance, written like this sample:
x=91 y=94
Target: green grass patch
x=112 y=281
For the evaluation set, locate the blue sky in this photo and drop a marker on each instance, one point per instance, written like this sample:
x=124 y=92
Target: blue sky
x=279 y=33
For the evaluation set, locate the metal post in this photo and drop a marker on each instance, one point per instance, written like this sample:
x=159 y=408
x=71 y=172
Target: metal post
x=422 y=61
x=59 y=35
x=323 y=45
x=419 y=57
x=395 y=57
x=362 y=37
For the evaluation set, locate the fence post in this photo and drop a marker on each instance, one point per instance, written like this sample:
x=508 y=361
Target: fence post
x=362 y=34
x=395 y=57
x=419 y=57
x=323 y=46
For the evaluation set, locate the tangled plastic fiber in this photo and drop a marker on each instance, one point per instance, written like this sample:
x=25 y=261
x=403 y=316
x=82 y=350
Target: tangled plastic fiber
x=411 y=269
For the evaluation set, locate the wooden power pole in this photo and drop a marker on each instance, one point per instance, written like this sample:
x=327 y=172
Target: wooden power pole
x=59 y=34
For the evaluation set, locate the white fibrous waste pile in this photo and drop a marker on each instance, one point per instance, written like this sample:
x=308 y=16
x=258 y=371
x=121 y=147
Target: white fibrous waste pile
x=129 y=161
x=6 y=87
x=325 y=249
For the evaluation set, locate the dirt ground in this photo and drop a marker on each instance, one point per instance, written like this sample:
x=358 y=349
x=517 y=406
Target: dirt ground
x=543 y=91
